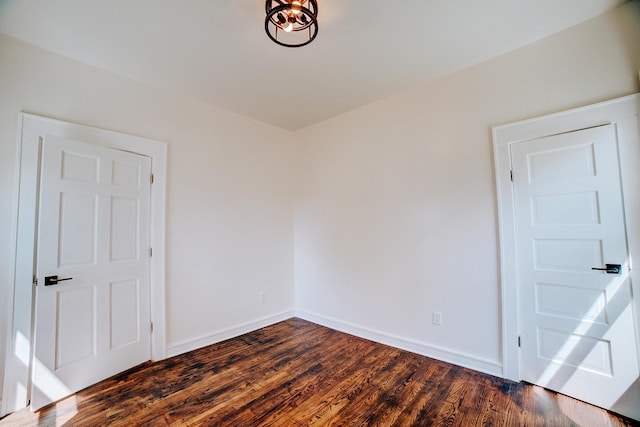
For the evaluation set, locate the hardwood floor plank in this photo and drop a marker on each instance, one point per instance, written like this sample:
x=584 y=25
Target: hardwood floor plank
x=414 y=409
x=296 y=373
x=391 y=400
x=385 y=394
x=341 y=393
x=310 y=409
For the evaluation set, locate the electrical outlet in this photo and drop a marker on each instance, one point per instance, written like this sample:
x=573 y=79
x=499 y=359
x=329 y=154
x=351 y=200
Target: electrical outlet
x=437 y=318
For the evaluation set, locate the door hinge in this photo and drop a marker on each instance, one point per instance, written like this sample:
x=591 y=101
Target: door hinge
x=150 y=327
x=519 y=341
x=150 y=252
x=151 y=178
x=511 y=174
x=35 y=280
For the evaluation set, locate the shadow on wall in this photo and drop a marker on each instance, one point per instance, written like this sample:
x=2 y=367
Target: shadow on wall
x=630 y=24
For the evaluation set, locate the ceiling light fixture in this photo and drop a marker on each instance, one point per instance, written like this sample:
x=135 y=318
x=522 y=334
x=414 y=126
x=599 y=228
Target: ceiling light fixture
x=292 y=17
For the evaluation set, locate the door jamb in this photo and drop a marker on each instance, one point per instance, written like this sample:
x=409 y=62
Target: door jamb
x=31 y=128
x=623 y=114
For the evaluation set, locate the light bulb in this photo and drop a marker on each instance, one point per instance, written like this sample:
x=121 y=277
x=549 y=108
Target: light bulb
x=295 y=7
x=291 y=19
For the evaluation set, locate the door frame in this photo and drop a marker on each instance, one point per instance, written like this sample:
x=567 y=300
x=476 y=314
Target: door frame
x=620 y=112
x=21 y=302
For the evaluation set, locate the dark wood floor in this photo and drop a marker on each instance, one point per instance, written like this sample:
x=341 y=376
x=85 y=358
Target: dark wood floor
x=296 y=373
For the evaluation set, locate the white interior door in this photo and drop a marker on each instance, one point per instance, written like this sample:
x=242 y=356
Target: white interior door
x=576 y=323
x=93 y=234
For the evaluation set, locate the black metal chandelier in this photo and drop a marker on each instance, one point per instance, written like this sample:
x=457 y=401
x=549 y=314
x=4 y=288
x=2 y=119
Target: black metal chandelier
x=291 y=23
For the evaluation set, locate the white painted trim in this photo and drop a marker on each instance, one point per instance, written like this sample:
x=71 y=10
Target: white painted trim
x=12 y=267
x=435 y=352
x=623 y=113
x=22 y=239
x=208 y=339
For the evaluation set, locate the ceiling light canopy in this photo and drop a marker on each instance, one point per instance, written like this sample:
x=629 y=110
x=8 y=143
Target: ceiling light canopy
x=291 y=23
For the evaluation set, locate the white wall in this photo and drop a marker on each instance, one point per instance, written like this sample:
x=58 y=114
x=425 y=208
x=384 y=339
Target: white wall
x=396 y=215
x=396 y=207
x=230 y=207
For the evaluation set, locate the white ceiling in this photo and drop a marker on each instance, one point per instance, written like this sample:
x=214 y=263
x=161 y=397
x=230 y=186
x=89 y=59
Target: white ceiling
x=217 y=51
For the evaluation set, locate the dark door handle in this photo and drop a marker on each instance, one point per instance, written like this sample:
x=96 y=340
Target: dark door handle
x=610 y=268
x=53 y=280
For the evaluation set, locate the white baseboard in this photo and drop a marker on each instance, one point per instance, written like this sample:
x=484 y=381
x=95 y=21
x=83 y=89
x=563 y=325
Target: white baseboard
x=205 y=340
x=435 y=352
x=450 y=356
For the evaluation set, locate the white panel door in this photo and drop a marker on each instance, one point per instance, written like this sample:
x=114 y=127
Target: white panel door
x=576 y=323
x=93 y=234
